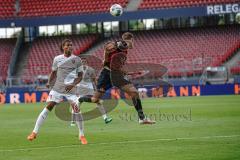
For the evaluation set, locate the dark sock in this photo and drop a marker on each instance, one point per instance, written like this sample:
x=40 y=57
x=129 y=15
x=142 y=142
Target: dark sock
x=85 y=99
x=138 y=106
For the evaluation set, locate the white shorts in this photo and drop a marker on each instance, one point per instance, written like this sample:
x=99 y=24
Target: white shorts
x=84 y=89
x=57 y=97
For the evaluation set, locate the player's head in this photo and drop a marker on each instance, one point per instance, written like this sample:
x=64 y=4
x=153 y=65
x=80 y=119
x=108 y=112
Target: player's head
x=128 y=38
x=66 y=47
x=84 y=62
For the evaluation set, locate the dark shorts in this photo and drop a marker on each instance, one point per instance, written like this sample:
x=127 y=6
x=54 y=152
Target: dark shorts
x=108 y=79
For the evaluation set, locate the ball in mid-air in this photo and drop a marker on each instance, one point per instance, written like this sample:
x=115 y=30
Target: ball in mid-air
x=116 y=10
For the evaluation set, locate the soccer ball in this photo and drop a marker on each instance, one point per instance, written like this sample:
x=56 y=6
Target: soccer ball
x=237 y=18
x=116 y=10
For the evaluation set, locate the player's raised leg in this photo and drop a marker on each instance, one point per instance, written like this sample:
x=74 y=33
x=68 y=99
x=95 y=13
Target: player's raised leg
x=132 y=91
x=96 y=99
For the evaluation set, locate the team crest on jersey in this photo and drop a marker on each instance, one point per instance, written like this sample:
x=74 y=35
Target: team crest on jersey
x=73 y=61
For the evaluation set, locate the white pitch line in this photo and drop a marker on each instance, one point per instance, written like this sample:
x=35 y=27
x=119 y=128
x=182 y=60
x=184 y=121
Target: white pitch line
x=119 y=142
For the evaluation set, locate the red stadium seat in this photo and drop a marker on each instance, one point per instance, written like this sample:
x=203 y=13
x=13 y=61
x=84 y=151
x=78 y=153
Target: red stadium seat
x=7 y=9
x=6 y=49
x=236 y=70
x=184 y=50
x=151 y=4
x=44 y=49
x=32 y=8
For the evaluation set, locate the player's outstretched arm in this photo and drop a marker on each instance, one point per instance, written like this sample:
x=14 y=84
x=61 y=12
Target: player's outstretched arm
x=52 y=76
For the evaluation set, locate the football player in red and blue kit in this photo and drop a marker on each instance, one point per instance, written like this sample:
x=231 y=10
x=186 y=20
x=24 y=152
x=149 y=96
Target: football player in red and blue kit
x=113 y=74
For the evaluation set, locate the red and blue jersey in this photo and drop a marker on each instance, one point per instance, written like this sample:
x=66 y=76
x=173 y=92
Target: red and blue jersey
x=116 y=59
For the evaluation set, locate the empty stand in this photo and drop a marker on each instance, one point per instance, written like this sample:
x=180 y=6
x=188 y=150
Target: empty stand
x=44 y=49
x=7 y=9
x=6 y=49
x=33 y=8
x=236 y=68
x=151 y=4
x=36 y=8
x=184 y=51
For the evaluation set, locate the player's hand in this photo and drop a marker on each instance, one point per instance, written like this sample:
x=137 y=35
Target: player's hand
x=69 y=87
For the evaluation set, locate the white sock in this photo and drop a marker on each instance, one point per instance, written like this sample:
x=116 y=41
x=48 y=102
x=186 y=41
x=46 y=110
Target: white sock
x=73 y=116
x=41 y=118
x=78 y=118
x=104 y=116
x=79 y=122
x=102 y=110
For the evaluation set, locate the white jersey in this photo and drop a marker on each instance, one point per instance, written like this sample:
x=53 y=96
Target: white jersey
x=67 y=70
x=88 y=73
x=86 y=87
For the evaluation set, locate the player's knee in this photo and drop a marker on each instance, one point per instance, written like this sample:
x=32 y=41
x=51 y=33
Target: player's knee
x=95 y=100
x=134 y=94
x=76 y=110
x=100 y=102
x=50 y=106
x=75 y=107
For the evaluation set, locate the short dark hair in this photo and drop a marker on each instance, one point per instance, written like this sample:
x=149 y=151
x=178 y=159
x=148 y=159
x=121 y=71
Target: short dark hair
x=127 y=36
x=84 y=58
x=63 y=43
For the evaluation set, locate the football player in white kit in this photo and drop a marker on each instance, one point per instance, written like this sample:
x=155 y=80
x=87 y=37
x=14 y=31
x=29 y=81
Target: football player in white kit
x=87 y=87
x=65 y=71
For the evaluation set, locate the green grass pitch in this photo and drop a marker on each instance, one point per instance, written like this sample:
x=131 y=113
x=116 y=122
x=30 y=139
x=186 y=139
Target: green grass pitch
x=199 y=128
